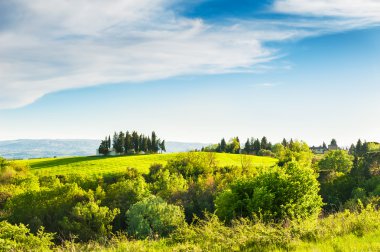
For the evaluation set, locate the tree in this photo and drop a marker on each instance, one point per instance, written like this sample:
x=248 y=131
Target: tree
x=234 y=146
x=162 y=146
x=103 y=148
x=247 y=146
x=284 y=143
x=256 y=146
x=153 y=216
x=336 y=161
x=334 y=144
x=223 y=145
x=264 y=143
x=135 y=141
x=128 y=145
x=290 y=192
x=145 y=145
x=359 y=148
x=297 y=151
x=154 y=142
x=351 y=151
x=118 y=143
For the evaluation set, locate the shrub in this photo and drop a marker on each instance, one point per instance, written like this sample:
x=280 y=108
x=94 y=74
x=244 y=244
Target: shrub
x=290 y=192
x=154 y=217
x=19 y=238
x=336 y=161
x=192 y=165
x=123 y=195
x=45 y=207
x=89 y=221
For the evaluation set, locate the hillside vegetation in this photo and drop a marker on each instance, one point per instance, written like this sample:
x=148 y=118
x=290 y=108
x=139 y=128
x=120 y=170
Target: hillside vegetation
x=108 y=165
x=196 y=201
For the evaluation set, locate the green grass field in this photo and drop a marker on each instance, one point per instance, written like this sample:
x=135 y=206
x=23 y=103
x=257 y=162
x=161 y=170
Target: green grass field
x=106 y=165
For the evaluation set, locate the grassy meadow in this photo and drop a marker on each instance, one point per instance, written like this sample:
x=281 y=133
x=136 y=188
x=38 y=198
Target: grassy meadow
x=99 y=165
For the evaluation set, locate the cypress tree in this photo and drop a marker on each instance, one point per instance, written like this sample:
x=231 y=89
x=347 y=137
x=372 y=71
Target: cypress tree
x=256 y=146
x=223 y=145
x=264 y=143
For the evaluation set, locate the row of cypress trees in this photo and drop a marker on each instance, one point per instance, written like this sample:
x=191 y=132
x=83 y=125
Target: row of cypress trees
x=131 y=143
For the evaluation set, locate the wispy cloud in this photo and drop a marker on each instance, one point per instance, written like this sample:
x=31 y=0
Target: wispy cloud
x=266 y=85
x=48 y=46
x=365 y=9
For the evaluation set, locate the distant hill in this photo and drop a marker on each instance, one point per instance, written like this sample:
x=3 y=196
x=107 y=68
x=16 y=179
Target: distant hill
x=29 y=148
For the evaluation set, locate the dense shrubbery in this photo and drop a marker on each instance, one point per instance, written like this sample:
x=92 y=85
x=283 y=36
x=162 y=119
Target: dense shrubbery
x=173 y=205
x=19 y=238
x=290 y=192
x=153 y=217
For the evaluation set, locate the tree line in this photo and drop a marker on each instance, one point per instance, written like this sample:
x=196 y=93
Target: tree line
x=253 y=146
x=132 y=143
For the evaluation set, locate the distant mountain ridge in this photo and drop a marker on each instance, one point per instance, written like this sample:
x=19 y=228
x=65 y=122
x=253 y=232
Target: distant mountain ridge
x=37 y=148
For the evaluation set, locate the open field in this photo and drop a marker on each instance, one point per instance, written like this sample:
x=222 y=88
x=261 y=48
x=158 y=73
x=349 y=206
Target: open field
x=105 y=165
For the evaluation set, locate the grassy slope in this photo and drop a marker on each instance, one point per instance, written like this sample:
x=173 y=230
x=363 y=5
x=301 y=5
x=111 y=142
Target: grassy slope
x=104 y=165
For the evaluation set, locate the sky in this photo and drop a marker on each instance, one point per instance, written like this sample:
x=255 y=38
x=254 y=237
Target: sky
x=193 y=71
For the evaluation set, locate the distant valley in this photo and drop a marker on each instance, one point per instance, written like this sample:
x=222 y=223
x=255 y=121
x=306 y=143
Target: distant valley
x=30 y=148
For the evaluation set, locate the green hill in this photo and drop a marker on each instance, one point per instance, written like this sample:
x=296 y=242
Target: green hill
x=106 y=165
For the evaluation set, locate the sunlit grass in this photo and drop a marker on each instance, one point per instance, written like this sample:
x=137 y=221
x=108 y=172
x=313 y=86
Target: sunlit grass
x=105 y=165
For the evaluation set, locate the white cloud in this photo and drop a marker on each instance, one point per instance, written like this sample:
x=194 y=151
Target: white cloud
x=51 y=45
x=366 y=9
x=59 y=44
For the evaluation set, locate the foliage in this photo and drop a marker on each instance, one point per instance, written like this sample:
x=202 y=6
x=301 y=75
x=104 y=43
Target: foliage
x=296 y=151
x=132 y=143
x=122 y=195
x=336 y=161
x=49 y=207
x=290 y=192
x=19 y=238
x=153 y=217
x=89 y=221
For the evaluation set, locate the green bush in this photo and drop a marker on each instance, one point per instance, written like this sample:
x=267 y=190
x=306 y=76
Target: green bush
x=192 y=164
x=89 y=221
x=153 y=217
x=19 y=238
x=336 y=161
x=123 y=195
x=290 y=192
x=45 y=207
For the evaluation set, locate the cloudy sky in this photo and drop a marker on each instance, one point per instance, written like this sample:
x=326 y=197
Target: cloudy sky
x=191 y=70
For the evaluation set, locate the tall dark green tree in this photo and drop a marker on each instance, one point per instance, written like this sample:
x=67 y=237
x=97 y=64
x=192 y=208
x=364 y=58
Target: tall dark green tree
x=223 y=145
x=359 y=148
x=135 y=141
x=162 y=146
x=351 y=151
x=103 y=148
x=264 y=143
x=155 y=142
x=247 y=146
x=256 y=146
x=128 y=145
x=284 y=143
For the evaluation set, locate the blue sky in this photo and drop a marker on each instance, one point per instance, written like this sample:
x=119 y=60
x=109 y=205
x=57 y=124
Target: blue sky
x=193 y=71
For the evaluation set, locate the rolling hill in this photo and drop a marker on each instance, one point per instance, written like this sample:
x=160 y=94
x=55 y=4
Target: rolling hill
x=107 y=165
